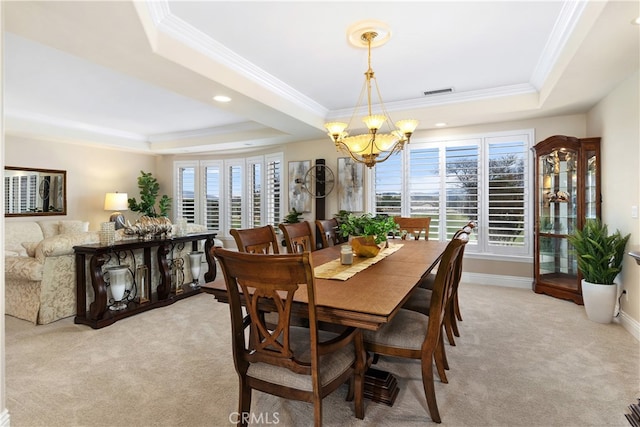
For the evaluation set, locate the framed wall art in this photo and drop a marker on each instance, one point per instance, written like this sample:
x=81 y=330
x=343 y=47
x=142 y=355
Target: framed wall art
x=299 y=198
x=350 y=185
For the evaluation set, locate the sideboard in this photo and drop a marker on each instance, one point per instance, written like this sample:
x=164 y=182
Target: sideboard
x=99 y=315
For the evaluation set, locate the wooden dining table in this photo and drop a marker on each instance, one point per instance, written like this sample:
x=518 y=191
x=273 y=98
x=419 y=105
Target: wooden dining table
x=368 y=299
x=371 y=297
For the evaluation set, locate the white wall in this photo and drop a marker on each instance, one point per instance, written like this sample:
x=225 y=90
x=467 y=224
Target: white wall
x=616 y=118
x=91 y=172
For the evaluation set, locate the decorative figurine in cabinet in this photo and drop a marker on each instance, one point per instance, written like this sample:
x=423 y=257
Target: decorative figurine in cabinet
x=567 y=192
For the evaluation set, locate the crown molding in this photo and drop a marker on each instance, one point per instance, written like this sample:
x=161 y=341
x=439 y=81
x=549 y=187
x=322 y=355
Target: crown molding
x=204 y=132
x=176 y=28
x=563 y=28
x=445 y=99
x=13 y=116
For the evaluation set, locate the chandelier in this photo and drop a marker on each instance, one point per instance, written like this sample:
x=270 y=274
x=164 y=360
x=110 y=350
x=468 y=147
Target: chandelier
x=375 y=146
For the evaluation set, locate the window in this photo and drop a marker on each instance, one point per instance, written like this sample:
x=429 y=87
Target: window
x=453 y=181
x=237 y=193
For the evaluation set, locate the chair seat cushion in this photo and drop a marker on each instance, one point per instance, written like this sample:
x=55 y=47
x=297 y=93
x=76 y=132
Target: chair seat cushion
x=407 y=330
x=331 y=365
x=426 y=282
x=419 y=300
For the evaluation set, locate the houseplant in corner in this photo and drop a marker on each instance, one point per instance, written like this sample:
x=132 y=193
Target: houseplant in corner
x=600 y=257
x=149 y=189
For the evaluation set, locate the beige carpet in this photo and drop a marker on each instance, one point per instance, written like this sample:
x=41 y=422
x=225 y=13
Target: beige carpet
x=522 y=360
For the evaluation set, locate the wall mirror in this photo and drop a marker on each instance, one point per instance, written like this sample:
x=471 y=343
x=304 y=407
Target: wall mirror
x=34 y=192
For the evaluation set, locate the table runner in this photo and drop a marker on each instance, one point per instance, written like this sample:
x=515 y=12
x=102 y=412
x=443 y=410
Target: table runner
x=336 y=271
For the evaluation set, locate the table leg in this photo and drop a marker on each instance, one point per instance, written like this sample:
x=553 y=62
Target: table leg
x=164 y=288
x=81 y=286
x=99 y=305
x=211 y=273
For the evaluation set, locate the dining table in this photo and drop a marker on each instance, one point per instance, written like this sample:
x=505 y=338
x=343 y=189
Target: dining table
x=369 y=298
x=366 y=294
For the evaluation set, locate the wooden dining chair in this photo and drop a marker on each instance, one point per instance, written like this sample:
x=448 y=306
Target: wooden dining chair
x=419 y=299
x=299 y=237
x=287 y=361
x=413 y=335
x=329 y=232
x=256 y=240
x=415 y=225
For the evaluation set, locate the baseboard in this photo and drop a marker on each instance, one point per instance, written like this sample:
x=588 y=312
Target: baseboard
x=627 y=322
x=630 y=324
x=497 y=280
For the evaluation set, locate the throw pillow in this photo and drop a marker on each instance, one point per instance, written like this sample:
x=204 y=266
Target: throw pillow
x=31 y=248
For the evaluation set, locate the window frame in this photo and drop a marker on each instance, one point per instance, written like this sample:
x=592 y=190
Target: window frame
x=247 y=207
x=480 y=245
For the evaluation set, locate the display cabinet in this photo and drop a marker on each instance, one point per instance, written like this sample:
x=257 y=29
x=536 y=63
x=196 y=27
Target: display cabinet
x=567 y=192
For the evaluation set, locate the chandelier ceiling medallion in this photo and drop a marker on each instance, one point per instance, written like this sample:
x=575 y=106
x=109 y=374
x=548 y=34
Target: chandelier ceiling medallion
x=375 y=146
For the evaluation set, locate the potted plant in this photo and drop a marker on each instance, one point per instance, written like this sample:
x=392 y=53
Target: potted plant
x=149 y=189
x=600 y=257
x=292 y=217
x=370 y=231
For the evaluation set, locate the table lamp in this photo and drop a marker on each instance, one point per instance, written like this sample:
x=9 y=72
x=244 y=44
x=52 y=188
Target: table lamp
x=116 y=202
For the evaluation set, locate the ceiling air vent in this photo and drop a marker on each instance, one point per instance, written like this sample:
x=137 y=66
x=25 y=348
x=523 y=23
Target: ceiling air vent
x=437 y=91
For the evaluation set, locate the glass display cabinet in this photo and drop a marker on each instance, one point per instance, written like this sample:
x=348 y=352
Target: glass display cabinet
x=567 y=192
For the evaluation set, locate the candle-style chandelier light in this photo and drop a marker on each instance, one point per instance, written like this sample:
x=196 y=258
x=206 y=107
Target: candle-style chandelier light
x=375 y=146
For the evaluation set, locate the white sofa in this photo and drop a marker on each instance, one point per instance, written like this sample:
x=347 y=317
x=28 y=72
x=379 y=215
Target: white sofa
x=40 y=277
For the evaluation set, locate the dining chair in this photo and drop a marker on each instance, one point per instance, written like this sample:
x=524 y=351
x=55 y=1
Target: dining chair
x=296 y=363
x=329 y=232
x=299 y=237
x=256 y=240
x=419 y=299
x=414 y=335
x=414 y=226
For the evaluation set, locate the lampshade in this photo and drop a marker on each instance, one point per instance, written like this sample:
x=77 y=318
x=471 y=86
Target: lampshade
x=116 y=202
x=375 y=146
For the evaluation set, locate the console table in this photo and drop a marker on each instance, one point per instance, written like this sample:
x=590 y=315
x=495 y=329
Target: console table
x=99 y=315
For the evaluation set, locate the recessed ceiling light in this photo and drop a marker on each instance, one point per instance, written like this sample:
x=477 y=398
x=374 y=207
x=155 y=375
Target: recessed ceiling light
x=441 y=124
x=221 y=98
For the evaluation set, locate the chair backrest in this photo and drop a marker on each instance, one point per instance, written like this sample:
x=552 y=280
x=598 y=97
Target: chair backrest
x=415 y=226
x=463 y=233
x=256 y=240
x=328 y=230
x=268 y=282
x=299 y=237
x=443 y=285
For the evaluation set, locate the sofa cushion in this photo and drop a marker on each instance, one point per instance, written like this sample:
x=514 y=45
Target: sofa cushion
x=73 y=226
x=49 y=227
x=16 y=232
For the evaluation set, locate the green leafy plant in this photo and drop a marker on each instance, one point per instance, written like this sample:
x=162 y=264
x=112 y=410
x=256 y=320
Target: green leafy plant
x=368 y=225
x=292 y=217
x=149 y=189
x=600 y=254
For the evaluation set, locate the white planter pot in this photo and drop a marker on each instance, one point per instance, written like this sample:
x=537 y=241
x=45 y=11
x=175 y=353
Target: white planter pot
x=599 y=301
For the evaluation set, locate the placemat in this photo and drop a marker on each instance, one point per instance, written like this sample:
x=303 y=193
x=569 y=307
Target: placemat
x=336 y=271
